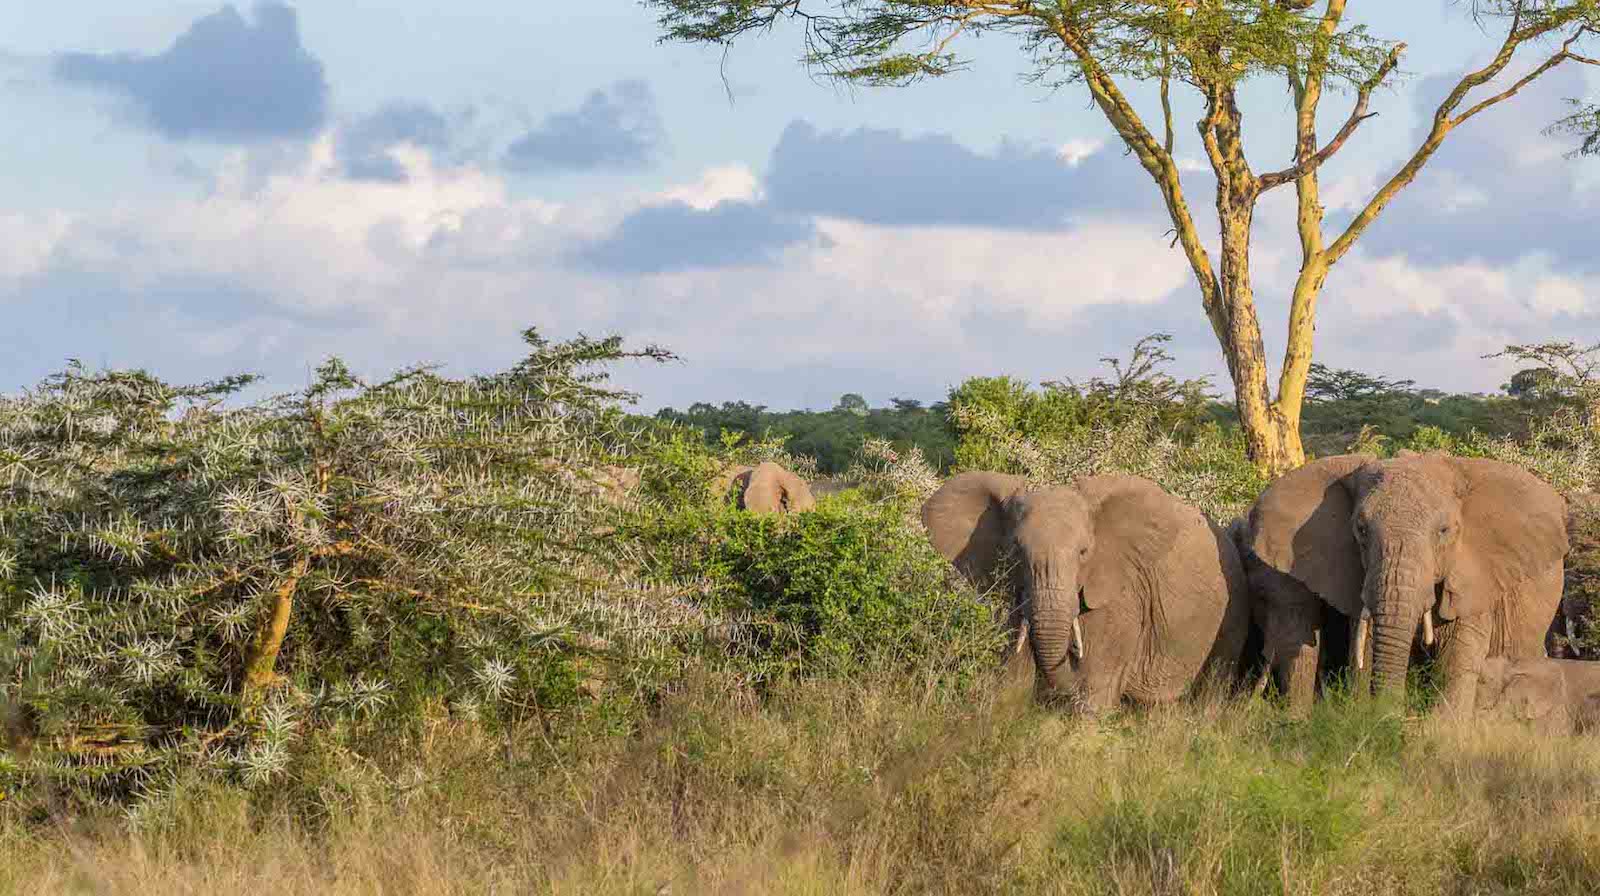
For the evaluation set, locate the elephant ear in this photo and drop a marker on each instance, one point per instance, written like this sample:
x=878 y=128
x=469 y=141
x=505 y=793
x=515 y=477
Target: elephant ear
x=1135 y=524
x=968 y=523
x=773 y=489
x=1513 y=528
x=727 y=478
x=1300 y=526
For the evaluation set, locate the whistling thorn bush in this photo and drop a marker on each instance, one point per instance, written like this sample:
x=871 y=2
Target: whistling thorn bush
x=174 y=557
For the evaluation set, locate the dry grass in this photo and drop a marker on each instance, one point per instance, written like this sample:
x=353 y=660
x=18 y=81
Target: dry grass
x=892 y=787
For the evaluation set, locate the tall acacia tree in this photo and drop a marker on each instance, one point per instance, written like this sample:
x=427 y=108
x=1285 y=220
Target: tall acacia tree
x=1211 y=47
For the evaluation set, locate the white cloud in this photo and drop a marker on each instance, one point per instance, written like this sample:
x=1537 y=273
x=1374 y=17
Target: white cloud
x=1045 y=276
x=1076 y=150
x=1435 y=322
x=447 y=264
x=724 y=183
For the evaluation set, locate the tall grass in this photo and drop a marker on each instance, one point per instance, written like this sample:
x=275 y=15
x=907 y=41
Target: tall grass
x=892 y=785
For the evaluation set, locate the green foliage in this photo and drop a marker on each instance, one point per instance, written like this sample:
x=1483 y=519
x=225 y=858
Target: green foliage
x=1584 y=124
x=851 y=586
x=1143 y=422
x=421 y=537
x=833 y=438
x=887 y=42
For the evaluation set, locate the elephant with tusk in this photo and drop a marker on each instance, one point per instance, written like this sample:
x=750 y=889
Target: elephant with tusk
x=1122 y=591
x=1464 y=555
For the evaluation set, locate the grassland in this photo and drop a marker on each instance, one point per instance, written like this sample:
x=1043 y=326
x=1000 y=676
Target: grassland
x=887 y=786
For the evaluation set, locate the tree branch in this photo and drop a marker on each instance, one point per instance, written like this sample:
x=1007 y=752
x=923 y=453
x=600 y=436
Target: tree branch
x=1358 y=114
x=1161 y=167
x=1563 y=55
x=1166 y=95
x=1443 y=124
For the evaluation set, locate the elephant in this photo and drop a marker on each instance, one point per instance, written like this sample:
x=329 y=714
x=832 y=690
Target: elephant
x=766 y=488
x=1123 y=592
x=1556 y=696
x=1468 y=553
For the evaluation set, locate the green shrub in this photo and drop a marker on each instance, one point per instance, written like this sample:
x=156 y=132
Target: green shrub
x=1144 y=422
x=842 y=590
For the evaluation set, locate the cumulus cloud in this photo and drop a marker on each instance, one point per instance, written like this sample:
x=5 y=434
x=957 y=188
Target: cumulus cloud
x=886 y=177
x=275 y=268
x=615 y=128
x=1498 y=189
x=882 y=178
x=365 y=146
x=678 y=236
x=225 y=79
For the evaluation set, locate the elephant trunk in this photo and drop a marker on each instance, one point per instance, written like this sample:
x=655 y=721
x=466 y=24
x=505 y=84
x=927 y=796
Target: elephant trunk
x=1399 y=591
x=1055 y=632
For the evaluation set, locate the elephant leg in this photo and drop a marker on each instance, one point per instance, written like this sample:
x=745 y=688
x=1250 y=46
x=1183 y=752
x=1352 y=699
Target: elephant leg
x=1463 y=646
x=1294 y=647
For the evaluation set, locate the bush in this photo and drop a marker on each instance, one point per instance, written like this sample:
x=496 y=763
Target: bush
x=189 y=580
x=1144 y=423
x=844 y=590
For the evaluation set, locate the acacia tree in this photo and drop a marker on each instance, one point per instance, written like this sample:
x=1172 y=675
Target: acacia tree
x=1212 y=47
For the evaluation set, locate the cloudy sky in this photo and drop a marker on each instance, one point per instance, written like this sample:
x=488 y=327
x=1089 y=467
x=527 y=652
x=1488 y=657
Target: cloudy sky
x=200 y=188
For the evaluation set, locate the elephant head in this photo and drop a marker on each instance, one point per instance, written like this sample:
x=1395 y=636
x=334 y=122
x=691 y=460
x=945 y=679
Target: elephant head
x=767 y=488
x=1531 y=690
x=1396 y=543
x=1070 y=548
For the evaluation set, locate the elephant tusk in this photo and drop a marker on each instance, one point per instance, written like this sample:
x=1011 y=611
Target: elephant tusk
x=1427 y=627
x=1077 y=639
x=1022 y=637
x=1362 y=627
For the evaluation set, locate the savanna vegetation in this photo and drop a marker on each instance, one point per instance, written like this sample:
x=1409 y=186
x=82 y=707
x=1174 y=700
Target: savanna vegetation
x=498 y=634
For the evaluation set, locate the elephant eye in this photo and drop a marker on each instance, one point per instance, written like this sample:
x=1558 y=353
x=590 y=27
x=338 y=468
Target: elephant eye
x=1083 y=551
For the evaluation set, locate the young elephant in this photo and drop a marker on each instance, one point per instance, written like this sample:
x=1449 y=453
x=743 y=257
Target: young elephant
x=1123 y=591
x=1557 y=696
x=1402 y=547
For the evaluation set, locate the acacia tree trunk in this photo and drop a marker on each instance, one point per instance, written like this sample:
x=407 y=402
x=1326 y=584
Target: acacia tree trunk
x=1272 y=424
x=262 y=657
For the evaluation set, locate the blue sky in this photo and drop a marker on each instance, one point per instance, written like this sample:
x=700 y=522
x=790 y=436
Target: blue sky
x=200 y=188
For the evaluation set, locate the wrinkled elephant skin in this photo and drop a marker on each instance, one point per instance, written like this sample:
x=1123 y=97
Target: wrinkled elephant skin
x=1460 y=556
x=1555 y=696
x=1122 y=591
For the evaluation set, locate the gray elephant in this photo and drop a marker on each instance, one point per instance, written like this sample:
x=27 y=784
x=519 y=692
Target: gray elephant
x=1123 y=591
x=1555 y=696
x=766 y=488
x=1464 y=554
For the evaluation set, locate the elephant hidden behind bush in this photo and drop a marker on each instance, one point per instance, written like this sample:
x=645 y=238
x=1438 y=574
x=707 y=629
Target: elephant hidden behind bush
x=766 y=488
x=1122 y=591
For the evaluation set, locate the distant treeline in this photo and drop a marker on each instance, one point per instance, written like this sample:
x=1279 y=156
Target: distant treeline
x=1343 y=407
